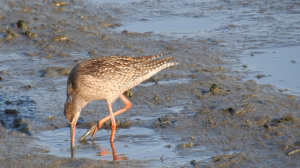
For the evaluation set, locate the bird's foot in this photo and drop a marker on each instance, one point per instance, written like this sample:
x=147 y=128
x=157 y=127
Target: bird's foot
x=89 y=132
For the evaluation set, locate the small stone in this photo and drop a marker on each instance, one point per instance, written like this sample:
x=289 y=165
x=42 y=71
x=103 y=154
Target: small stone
x=193 y=162
x=17 y=122
x=278 y=133
x=260 y=76
x=59 y=3
x=11 y=111
x=60 y=38
x=266 y=136
x=214 y=89
x=21 y=24
x=8 y=102
x=155 y=97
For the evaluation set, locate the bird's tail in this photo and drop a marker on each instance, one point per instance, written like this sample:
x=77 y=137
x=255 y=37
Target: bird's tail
x=150 y=57
x=156 y=64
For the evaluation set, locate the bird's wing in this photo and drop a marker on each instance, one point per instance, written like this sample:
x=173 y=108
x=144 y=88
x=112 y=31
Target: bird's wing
x=144 y=70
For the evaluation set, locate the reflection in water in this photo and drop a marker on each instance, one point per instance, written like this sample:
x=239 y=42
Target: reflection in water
x=137 y=143
x=104 y=152
x=72 y=152
x=115 y=156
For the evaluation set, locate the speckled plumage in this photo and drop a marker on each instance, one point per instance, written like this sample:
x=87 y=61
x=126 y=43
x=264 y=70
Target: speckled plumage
x=105 y=78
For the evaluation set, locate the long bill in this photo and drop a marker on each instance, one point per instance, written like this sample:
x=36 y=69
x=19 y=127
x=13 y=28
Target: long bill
x=72 y=133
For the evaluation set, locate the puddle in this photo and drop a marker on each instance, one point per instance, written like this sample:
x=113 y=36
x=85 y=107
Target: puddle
x=280 y=66
x=143 y=118
x=133 y=143
x=136 y=143
x=113 y=1
x=175 y=25
x=162 y=82
x=175 y=109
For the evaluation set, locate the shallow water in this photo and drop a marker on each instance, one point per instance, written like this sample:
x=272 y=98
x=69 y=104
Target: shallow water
x=164 y=82
x=136 y=143
x=133 y=143
x=171 y=26
x=279 y=65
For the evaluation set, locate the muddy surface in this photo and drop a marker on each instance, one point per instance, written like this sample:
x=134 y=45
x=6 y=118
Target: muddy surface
x=202 y=108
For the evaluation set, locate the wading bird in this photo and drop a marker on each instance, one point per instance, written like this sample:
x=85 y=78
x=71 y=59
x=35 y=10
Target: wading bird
x=106 y=78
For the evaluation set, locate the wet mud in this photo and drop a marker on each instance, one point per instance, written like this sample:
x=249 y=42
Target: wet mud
x=201 y=107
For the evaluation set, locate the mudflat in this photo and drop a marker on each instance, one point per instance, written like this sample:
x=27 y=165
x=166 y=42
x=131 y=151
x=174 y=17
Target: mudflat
x=201 y=105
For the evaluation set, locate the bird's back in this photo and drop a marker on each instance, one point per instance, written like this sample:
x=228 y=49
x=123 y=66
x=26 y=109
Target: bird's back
x=105 y=78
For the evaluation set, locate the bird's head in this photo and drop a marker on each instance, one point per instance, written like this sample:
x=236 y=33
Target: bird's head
x=72 y=112
x=72 y=108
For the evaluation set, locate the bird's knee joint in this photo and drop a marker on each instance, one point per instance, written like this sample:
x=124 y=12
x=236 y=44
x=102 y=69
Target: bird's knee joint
x=127 y=106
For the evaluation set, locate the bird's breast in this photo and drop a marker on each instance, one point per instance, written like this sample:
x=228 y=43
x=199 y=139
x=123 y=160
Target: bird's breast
x=92 y=88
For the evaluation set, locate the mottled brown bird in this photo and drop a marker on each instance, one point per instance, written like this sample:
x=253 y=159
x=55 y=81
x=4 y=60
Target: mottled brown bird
x=106 y=78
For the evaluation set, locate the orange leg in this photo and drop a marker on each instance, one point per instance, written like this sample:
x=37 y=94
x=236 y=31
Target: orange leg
x=114 y=153
x=113 y=123
x=95 y=128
